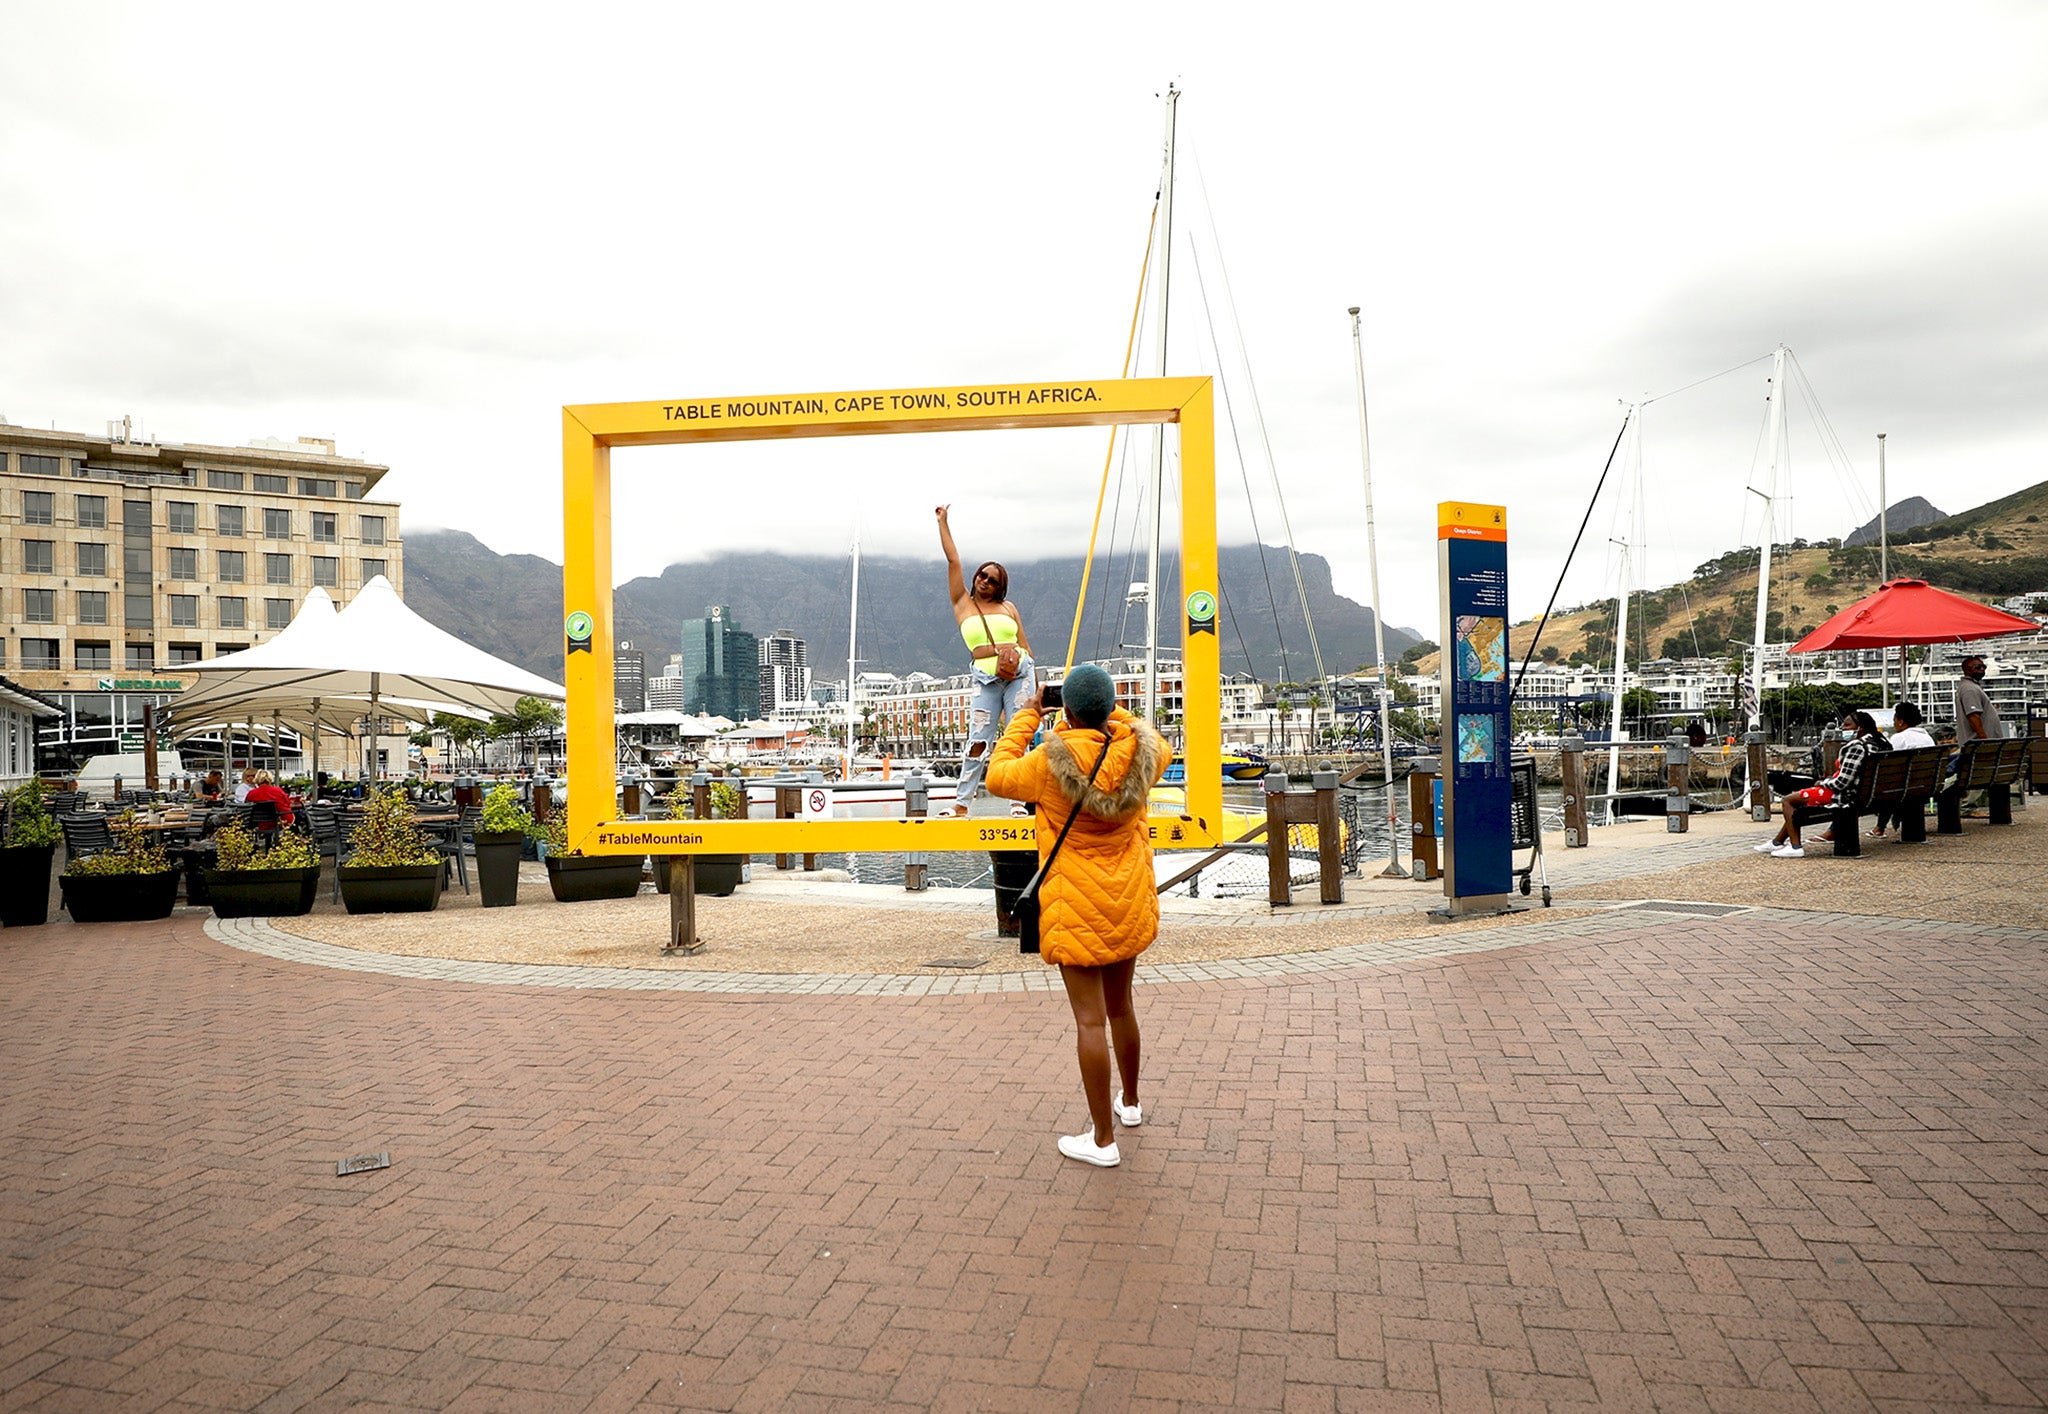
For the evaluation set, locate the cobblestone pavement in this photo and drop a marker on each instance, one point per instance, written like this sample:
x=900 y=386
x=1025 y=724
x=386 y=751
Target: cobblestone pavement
x=1768 y=1160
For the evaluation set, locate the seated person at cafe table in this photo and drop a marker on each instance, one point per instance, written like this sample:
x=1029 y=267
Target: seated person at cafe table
x=267 y=788
x=1818 y=796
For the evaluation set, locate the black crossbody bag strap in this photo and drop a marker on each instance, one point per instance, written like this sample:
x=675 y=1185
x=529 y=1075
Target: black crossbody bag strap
x=1030 y=890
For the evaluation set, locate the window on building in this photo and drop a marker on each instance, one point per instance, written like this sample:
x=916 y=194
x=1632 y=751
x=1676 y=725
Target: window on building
x=277 y=613
x=316 y=486
x=95 y=657
x=92 y=512
x=184 y=611
x=184 y=653
x=184 y=564
x=92 y=606
x=184 y=517
x=326 y=571
x=39 y=556
x=277 y=524
x=39 y=507
x=92 y=560
x=273 y=483
x=227 y=520
x=231 y=566
x=373 y=529
x=326 y=527
x=221 y=650
x=224 y=480
x=39 y=606
x=39 y=655
x=141 y=657
x=371 y=569
x=353 y=490
x=234 y=611
x=35 y=465
x=277 y=569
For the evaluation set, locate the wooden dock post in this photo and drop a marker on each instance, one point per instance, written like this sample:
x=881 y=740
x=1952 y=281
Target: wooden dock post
x=629 y=797
x=1422 y=836
x=682 y=908
x=789 y=803
x=1759 y=778
x=1677 y=774
x=1571 y=764
x=1316 y=806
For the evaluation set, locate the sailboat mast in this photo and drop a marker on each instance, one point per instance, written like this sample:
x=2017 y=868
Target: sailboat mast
x=1379 y=636
x=1770 y=494
x=1621 y=618
x=1159 y=431
x=852 y=657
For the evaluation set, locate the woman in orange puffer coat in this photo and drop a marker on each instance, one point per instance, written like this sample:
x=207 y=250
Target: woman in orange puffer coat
x=1098 y=908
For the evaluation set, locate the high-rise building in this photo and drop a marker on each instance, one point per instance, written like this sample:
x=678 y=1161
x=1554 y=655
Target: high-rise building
x=123 y=558
x=721 y=666
x=629 y=678
x=785 y=676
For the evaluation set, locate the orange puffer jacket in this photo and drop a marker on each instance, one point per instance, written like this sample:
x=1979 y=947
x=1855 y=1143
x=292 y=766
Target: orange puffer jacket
x=1100 y=903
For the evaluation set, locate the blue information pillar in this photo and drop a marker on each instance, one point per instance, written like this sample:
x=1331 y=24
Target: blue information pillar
x=1472 y=585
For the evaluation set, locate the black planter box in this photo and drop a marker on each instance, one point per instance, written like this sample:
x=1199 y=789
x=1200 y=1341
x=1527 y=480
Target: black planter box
x=717 y=874
x=119 y=898
x=391 y=888
x=497 y=866
x=260 y=893
x=578 y=878
x=25 y=885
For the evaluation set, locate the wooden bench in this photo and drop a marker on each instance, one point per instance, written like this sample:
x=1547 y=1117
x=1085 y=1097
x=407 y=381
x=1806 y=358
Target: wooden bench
x=1990 y=766
x=1899 y=781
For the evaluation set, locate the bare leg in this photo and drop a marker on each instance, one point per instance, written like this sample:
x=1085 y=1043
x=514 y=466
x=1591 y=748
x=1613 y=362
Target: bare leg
x=1084 y=995
x=1123 y=1023
x=1790 y=834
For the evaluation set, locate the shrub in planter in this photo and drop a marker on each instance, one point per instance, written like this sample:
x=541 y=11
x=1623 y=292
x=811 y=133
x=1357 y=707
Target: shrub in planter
x=392 y=866
x=581 y=878
x=248 y=883
x=134 y=880
x=717 y=874
x=25 y=857
x=500 y=840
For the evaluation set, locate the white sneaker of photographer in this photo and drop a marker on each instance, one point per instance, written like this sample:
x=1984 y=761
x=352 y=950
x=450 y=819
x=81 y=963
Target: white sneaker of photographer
x=1129 y=1116
x=1083 y=1147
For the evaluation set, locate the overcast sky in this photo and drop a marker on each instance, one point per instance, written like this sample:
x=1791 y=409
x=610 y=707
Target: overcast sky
x=421 y=230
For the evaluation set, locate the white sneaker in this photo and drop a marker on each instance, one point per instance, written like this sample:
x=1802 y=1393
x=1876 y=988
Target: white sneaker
x=1788 y=851
x=1767 y=847
x=1129 y=1116
x=1083 y=1147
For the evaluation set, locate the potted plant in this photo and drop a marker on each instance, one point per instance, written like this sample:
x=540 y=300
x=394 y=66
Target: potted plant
x=576 y=877
x=392 y=866
x=31 y=844
x=717 y=874
x=500 y=840
x=247 y=883
x=134 y=880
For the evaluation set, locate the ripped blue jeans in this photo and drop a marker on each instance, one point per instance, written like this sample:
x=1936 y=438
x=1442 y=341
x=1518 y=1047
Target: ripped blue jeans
x=991 y=707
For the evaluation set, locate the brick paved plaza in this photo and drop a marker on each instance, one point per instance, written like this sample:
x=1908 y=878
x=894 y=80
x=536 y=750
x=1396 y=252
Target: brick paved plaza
x=1647 y=1160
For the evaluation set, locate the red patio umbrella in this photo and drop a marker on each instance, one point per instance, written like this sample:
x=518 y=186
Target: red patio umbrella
x=1911 y=611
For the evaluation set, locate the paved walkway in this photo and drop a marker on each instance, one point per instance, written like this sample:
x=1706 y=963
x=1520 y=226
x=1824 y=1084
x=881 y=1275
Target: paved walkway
x=1656 y=1159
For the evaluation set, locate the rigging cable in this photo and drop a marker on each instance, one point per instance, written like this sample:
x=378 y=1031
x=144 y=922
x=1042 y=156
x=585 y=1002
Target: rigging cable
x=1537 y=637
x=1251 y=385
x=1109 y=454
x=1243 y=470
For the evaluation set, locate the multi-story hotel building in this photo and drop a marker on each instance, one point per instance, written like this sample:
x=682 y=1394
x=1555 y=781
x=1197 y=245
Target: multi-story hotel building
x=121 y=559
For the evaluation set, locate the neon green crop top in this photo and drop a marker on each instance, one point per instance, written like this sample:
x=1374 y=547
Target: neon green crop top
x=1001 y=625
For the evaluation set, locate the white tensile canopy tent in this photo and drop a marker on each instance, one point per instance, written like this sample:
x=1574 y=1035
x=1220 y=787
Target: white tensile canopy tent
x=375 y=658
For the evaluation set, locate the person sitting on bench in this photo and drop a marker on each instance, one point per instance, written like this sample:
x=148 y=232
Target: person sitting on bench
x=1907 y=733
x=1855 y=752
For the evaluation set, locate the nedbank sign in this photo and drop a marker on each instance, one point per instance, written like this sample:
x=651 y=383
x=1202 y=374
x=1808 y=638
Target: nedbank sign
x=141 y=685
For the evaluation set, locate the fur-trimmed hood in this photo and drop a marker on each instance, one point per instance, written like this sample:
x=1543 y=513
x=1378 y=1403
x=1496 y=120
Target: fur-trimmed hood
x=1122 y=789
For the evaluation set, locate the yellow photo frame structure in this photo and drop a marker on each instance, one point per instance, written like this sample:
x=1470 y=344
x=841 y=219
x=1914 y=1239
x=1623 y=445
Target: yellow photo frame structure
x=590 y=431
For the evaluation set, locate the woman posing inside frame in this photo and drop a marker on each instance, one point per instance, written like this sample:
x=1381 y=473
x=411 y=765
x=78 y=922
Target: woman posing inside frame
x=1003 y=672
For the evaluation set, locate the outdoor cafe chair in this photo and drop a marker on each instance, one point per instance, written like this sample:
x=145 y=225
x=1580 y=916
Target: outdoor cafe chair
x=84 y=835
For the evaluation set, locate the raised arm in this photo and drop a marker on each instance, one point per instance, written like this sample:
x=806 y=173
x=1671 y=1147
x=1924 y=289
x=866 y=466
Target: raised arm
x=955 y=585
